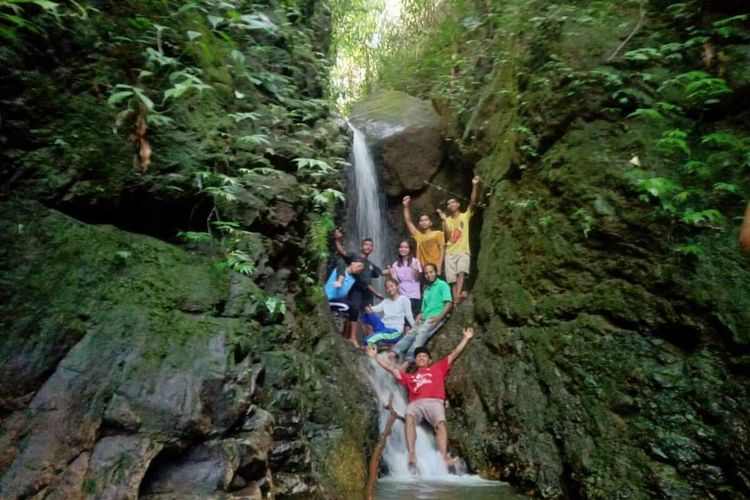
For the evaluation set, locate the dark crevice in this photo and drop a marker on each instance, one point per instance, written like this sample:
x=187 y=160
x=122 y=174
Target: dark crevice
x=137 y=210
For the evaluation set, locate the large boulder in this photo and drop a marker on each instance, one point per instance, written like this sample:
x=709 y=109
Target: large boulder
x=153 y=388
x=404 y=135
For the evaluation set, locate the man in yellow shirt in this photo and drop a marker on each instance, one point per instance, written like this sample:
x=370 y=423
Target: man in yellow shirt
x=430 y=244
x=458 y=253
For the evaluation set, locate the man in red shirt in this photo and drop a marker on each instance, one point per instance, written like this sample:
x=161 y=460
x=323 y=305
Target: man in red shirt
x=426 y=388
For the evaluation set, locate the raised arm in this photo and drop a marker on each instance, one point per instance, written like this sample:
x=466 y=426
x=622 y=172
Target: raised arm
x=468 y=334
x=373 y=353
x=406 y=202
x=446 y=231
x=474 y=193
x=442 y=256
x=338 y=241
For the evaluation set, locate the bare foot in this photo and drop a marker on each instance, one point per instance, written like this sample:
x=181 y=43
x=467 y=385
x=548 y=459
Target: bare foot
x=461 y=297
x=412 y=463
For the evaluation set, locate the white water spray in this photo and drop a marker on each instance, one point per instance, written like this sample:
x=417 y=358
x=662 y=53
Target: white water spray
x=430 y=463
x=369 y=214
x=370 y=222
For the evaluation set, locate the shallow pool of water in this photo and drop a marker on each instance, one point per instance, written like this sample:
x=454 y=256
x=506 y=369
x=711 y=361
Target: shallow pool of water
x=460 y=488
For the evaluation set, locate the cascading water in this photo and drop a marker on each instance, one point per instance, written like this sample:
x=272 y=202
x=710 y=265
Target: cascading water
x=370 y=222
x=369 y=216
x=367 y=220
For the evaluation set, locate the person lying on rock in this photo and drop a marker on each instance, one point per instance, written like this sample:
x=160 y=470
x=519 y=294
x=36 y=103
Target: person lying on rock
x=426 y=388
x=342 y=278
x=457 y=253
x=345 y=287
x=430 y=243
x=396 y=310
x=436 y=304
x=361 y=294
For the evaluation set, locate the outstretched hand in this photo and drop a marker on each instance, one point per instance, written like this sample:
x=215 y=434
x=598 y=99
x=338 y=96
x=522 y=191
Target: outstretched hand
x=475 y=179
x=406 y=201
x=371 y=351
x=441 y=214
x=468 y=332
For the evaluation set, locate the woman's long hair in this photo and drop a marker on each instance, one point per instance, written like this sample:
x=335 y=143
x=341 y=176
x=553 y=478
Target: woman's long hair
x=410 y=257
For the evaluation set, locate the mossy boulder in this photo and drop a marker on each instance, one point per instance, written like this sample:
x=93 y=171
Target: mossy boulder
x=122 y=373
x=405 y=137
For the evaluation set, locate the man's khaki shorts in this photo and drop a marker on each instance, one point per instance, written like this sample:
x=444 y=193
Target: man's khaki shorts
x=456 y=263
x=430 y=409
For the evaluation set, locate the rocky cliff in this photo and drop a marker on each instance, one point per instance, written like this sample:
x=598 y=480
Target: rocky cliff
x=164 y=219
x=613 y=355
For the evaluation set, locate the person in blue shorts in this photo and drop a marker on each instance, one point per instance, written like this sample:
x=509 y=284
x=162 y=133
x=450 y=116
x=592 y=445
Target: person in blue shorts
x=396 y=309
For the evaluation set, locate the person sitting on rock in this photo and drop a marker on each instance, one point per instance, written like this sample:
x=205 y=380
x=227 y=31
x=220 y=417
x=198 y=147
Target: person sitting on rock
x=430 y=243
x=457 y=253
x=436 y=304
x=407 y=270
x=396 y=311
x=426 y=388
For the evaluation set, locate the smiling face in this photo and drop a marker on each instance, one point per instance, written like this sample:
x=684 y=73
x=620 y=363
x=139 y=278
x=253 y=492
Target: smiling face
x=430 y=273
x=367 y=247
x=425 y=222
x=391 y=288
x=453 y=205
x=403 y=249
x=422 y=360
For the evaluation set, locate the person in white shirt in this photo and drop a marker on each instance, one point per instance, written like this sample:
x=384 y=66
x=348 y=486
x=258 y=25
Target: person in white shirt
x=397 y=313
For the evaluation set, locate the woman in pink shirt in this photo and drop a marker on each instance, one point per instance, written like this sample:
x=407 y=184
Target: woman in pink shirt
x=407 y=271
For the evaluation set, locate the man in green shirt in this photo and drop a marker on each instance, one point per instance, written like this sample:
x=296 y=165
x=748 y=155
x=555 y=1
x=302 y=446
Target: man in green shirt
x=436 y=304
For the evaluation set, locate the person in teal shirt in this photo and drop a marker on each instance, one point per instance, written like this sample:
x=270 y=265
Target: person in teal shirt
x=436 y=304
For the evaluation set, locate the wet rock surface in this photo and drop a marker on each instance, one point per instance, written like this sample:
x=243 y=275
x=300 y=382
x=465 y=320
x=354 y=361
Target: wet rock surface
x=607 y=365
x=153 y=401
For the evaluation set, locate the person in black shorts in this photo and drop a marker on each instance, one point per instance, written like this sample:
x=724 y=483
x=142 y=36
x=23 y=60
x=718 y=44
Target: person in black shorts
x=362 y=291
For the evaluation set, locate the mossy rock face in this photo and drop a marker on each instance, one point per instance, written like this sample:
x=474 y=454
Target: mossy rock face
x=117 y=348
x=609 y=362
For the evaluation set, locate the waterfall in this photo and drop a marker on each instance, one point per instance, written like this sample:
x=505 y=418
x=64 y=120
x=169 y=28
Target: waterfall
x=430 y=464
x=369 y=215
x=367 y=219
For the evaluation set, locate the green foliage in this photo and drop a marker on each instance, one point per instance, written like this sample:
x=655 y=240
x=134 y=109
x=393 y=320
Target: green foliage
x=649 y=113
x=320 y=227
x=672 y=143
x=240 y=262
x=697 y=88
x=15 y=16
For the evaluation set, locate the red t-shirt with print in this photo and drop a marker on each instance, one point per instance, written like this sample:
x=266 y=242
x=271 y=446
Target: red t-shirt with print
x=427 y=382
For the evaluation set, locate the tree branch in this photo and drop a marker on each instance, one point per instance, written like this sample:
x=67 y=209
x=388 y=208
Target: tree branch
x=375 y=459
x=636 y=29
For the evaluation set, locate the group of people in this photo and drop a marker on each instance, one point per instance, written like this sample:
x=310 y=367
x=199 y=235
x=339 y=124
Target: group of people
x=416 y=305
x=417 y=300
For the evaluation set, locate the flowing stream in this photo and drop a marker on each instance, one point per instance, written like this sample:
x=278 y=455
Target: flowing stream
x=432 y=480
